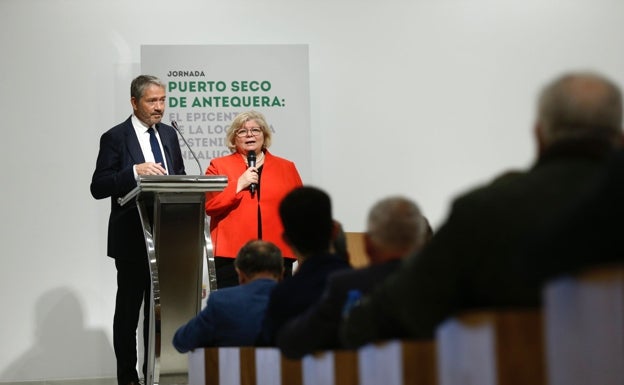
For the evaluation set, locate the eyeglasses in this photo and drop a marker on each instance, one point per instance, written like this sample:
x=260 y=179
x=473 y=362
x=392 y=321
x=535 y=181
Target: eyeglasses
x=244 y=132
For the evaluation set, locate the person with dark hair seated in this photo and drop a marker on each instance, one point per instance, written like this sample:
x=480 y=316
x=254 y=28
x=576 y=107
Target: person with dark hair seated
x=396 y=229
x=587 y=235
x=308 y=229
x=233 y=315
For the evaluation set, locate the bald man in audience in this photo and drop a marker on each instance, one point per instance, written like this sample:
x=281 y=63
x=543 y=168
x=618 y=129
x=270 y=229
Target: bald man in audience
x=396 y=228
x=588 y=234
x=469 y=263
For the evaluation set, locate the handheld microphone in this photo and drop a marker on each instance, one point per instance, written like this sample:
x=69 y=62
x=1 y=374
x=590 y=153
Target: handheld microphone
x=251 y=162
x=175 y=125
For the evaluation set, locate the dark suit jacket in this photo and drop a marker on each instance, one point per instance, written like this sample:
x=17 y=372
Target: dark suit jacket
x=317 y=328
x=588 y=234
x=113 y=177
x=296 y=294
x=232 y=317
x=469 y=262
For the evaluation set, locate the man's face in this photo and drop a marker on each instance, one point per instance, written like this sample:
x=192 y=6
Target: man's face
x=151 y=106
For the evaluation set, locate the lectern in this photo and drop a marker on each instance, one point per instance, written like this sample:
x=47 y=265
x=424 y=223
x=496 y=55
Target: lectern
x=177 y=236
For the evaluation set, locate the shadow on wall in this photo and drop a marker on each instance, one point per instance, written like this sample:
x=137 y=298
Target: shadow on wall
x=64 y=347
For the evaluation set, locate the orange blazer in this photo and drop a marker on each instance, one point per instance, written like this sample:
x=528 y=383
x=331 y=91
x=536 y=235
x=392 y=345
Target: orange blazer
x=234 y=217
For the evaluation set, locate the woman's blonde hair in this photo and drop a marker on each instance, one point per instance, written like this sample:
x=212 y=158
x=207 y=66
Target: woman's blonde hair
x=240 y=120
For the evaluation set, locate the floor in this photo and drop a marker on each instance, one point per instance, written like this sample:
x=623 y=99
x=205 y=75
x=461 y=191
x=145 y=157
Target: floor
x=166 y=379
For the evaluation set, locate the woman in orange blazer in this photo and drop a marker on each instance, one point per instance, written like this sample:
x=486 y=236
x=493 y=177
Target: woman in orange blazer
x=248 y=207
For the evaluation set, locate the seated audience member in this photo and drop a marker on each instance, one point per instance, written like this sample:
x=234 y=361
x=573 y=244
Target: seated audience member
x=396 y=228
x=469 y=262
x=308 y=230
x=338 y=245
x=589 y=234
x=233 y=315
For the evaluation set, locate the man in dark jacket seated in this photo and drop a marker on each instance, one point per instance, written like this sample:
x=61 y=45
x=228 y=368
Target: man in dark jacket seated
x=396 y=228
x=470 y=262
x=308 y=229
x=233 y=315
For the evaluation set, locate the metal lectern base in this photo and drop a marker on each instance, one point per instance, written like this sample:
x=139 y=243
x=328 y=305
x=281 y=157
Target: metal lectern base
x=173 y=379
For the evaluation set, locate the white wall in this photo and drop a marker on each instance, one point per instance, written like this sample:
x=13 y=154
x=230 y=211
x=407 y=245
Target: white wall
x=421 y=97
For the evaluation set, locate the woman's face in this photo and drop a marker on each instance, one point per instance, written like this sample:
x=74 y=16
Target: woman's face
x=250 y=137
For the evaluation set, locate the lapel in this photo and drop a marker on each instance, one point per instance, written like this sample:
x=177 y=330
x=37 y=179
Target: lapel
x=132 y=144
x=164 y=139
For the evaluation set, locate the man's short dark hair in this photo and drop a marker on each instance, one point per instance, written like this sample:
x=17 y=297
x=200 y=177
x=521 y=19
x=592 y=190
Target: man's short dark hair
x=259 y=257
x=307 y=219
x=141 y=82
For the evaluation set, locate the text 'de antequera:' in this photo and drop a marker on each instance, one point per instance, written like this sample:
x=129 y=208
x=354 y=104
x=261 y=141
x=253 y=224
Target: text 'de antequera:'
x=228 y=101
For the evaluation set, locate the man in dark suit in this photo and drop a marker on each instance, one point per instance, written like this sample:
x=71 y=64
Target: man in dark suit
x=396 y=229
x=233 y=315
x=469 y=263
x=587 y=235
x=308 y=230
x=141 y=145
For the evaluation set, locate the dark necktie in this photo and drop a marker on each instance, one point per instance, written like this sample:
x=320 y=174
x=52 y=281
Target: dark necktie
x=158 y=158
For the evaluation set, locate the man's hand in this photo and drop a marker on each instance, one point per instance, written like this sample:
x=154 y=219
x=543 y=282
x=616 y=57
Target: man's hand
x=150 y=168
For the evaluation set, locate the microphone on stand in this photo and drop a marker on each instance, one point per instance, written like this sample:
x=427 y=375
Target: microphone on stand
x=175 y=125
x=251 y=162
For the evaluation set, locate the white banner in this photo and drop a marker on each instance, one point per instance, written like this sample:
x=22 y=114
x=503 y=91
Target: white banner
x=208 y=85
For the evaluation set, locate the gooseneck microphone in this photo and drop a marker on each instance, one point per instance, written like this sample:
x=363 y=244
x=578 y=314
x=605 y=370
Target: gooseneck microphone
x=175 y=125
x=251 y=162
